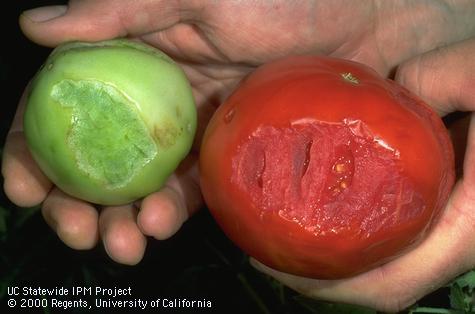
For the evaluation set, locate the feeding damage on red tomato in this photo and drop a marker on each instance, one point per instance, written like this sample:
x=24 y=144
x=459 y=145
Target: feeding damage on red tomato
x=321 y=168
x=327 y=177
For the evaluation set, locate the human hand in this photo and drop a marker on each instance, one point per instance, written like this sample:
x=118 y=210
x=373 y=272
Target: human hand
x=217 y=43
x=444 y=78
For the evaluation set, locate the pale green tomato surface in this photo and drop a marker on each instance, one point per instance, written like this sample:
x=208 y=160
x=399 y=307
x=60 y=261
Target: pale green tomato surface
x=109 y=122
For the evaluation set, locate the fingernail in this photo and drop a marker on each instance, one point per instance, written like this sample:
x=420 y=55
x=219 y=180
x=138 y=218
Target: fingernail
x=44 y=14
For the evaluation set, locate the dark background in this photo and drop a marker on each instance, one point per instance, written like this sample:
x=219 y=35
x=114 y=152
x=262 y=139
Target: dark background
x=197 y=263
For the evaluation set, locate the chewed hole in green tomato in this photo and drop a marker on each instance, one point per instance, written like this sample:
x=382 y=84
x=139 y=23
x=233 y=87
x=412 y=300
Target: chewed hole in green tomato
x=109 y=122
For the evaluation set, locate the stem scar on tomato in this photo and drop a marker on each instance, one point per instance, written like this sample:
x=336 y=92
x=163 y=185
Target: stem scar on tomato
x=350 y=78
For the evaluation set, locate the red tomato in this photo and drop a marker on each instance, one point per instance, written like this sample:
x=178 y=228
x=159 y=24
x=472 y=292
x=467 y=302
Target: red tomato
x=320 y=167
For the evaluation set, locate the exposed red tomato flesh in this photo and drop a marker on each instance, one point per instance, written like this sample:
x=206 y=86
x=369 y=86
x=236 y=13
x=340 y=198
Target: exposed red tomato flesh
x=330 y=178
x=319 y=167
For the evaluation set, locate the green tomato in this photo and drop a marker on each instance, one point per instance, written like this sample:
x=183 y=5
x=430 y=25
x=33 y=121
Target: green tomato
x=109 y=122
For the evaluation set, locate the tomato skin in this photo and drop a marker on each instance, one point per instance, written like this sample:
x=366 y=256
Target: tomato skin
x=272 y=176
x=104 y=129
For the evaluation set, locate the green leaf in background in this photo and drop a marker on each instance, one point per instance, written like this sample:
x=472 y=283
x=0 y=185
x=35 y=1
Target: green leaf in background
x=461 y=297
x=434 y=310
x=458 y=298
x=467 y=281
x=461 y=292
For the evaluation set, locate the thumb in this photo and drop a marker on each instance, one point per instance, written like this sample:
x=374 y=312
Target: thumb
x=443 y=77
x=52 y=25
x=93 y=20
